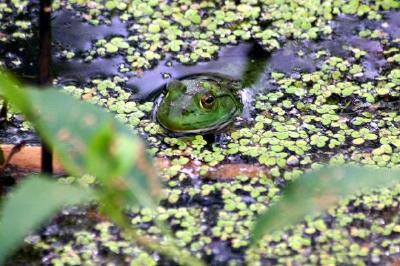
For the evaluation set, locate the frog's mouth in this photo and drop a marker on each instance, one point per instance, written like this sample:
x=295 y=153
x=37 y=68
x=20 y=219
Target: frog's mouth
x=214 y=129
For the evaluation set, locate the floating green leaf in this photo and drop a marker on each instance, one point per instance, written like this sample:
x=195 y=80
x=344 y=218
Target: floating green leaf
x=316 y=191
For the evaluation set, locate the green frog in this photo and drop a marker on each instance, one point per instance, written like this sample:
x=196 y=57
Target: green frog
x=199 y=104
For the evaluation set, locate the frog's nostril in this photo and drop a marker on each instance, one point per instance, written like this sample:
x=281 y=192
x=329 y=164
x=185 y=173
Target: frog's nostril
x=187 y=112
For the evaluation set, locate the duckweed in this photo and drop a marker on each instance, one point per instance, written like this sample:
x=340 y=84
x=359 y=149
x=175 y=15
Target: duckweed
x=334 y=114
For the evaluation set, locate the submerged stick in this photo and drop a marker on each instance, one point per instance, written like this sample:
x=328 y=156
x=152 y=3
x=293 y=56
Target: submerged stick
x=29 y=158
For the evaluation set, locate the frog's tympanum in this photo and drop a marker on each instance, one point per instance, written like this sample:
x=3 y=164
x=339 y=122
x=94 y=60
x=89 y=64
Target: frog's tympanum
x=199 y=104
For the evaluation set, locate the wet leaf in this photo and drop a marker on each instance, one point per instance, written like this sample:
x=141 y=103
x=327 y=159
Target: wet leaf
x=33 y=202
x=87 y=139
x=316 y=191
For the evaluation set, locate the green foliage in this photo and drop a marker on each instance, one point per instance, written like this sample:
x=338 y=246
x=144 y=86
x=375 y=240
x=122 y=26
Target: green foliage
x=34 y=201
x=88 y=140
x=316 y=191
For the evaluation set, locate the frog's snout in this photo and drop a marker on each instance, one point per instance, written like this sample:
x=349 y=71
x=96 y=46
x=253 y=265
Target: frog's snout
x=176 y=86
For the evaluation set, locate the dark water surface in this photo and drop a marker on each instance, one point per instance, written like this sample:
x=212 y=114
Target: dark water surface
x=72 y=33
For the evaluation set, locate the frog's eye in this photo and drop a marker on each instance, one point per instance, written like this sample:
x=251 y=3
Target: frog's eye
x=207 y=101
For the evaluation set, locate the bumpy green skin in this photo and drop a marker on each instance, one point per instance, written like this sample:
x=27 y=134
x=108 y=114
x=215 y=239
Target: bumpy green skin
x=199 y=104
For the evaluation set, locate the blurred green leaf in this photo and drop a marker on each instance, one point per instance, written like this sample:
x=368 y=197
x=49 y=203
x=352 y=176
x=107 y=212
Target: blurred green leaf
x=35 y=200
x=316 y=191
x=88 y=140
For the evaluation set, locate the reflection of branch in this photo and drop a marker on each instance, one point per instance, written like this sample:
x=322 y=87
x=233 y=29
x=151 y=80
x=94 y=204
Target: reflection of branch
x=255 y=65
x=4 y=122
x=3 y=111
x=28 y=157
x=14 y=150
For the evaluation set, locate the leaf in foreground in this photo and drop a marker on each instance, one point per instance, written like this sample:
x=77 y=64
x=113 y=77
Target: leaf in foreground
x=88 y=140
x=316 y=191
x=35 y=200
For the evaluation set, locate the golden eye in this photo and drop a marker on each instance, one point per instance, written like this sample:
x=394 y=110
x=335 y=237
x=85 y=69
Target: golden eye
x=207 y=101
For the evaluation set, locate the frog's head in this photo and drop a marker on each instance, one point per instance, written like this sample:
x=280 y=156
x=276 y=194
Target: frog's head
x=199 y=104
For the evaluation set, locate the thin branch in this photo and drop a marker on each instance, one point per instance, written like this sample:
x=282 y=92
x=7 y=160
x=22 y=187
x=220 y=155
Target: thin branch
x=14 y=150
x=44 y=69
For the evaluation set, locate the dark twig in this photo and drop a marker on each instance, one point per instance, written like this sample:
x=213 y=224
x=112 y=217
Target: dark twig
x=44 y=69
x=14 y=150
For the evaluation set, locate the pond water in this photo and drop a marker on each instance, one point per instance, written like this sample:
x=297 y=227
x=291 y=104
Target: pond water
x=333 y=99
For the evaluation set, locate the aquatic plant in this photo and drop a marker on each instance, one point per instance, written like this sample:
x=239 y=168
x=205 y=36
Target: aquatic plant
x=87 y=140
x=336 y=113
x=316 y=191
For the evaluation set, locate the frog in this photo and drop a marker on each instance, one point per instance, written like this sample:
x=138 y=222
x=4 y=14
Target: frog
x=199 y=104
